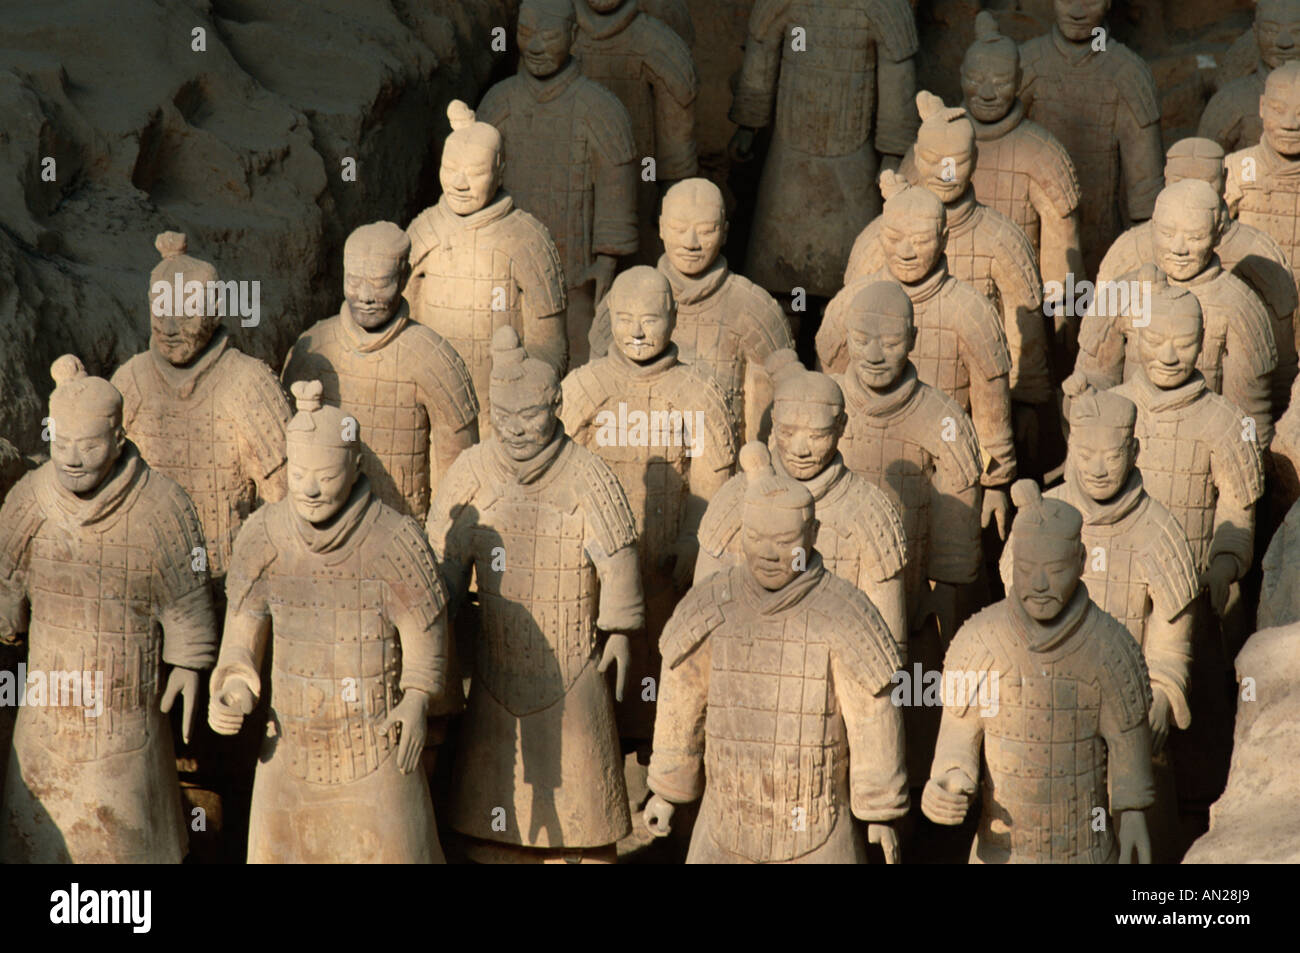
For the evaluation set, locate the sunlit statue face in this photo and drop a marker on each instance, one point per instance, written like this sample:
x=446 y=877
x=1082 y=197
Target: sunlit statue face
x=988 y=84
x=180 y=337
x=1103 y=457
x=642 y=323
x=372 y=286
x=1184 y=239
x=470 y=174
x=1168 y=348
x=84 y=450
x=777 y=544
x=320 y=478
x=1045 y=574
x=1277 y=30
x=524 y=420
x=1076 y=19
x=912 y=246
x=879 y=346
x=806 y=436
x=945 y=165
x=545 y=34
x=1279 y=111
x=693 y=232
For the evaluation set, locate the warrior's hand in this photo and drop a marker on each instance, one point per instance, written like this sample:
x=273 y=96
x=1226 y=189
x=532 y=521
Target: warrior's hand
x=887 y=838
x=946 y=798
x=412 y=714
x=1218 y=579
x=602 y=273
x=618 y=648
x=1133 y=836
x=185 y=682
x=658 y=816
x=997 y=509
x=227 y=708
x=741 y=147
x=1159 y=718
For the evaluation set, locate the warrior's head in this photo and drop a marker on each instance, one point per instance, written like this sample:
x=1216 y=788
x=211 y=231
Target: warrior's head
x=179 y=332
x=945 y=147
x=1103 y=449
x=323 y=450
x=1195 y=158
x=1170 y=343
x=642 y=313
x=778 y=528
x=1048 y=554
x=693 y=225
x=1076 y=19
x=473 y=161
x=546 y=32
x=1277 y=31
x=375 y=268
x=990 y=71
x=881 y=332
x=86 y=435
x=913 y=229
x=1279 y=109
x=807 y=415
x=1185 y=228
x=525 y=397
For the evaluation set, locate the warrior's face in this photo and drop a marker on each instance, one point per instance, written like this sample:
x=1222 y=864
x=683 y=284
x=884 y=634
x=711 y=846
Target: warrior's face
x=693 y=231
x=372 y=285
x=546 y=31
x=988 y=83
x=912 y=246
x=1046 y=573
x=642 y=323
x=1076 y=19
x=180 y=337
x=1103 y=457
x=470 y=174
x=1279 y=111
x=806 y=436
x=1277 y=30
x=84 y=450
x=320 y=478
x=524 y=419
x=879 y=345
x=777 y=543
x=1184 y=238
x=1169 y=347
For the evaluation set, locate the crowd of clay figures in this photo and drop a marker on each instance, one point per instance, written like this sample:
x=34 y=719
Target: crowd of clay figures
x=553 y=492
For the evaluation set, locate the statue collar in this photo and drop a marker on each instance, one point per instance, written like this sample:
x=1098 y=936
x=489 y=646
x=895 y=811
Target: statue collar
x=1156 y=400
x=986 y=131
x=875 y=403
x=553 y=86
x=359 y=339
x=531 y=470
x=961 y=212
x=1044 y=636
x=494 y=211
x=107 y=500
x=599 y=26
x=1207 y=274
x=1276 y=162
x=793 y=592
x=690 y=289
x=183 y=380
x=335 y=532
x=820 y=485
x=1106 y=512
x=666 y=361
x=930 y=285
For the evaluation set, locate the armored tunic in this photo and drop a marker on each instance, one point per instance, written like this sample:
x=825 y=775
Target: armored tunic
x=1103 y=107
x=860 y=535
x=917 y=443
x=570 y=162
x=727 y=325
x=410 y=392
x=552 y=544
x=1071 y=719
x=643 y=62
x=851 y=77
x=775 y=707
x=987 y=251
x=471 y=274
x=358 y=618
x=1197 y=459
x=215 y=427
x=676 y=13
x=1231 y=117
x=105 y=587
x=960 y=349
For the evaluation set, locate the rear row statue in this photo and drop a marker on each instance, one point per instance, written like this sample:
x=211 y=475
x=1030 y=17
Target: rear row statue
x=551 y=540
x=99 y=566
x=348 y=589
x=1231 y=117
x=479 y=262
x=1067 y=752
x=784 y=755
x=726 y=324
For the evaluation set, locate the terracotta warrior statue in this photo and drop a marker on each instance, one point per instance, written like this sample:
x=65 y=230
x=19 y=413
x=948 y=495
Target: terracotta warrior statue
x=1065 y=755
x=1139 y=568
x=99 y=567
x=960 y=345
x=548 y=533
x=1098 y=98
x=836 y=78
x=780 y=780
x=859 y=527
x=1231 y=118
x=726 y=324
x=570 y=159
x=405 y=385
x=1246 y=251
x=479 y=262
x=348 y=589
x=648 y=66
x=666 y=432
x=200 y=411
x=1238 y=353
x=1279 y=598
x=1021 y=169
x=1197 y=454
x=985 y=249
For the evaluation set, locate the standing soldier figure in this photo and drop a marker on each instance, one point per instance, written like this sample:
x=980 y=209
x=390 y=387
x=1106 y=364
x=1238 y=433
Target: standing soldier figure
x=99 y=565
x=479 y=262
x=1231 y=117
x=548 y=533
x=785 y=755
